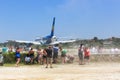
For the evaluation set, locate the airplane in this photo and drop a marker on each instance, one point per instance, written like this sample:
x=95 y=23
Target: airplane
x=49 y=39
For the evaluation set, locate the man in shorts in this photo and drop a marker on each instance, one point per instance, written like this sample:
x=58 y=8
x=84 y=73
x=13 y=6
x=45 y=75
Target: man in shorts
x=49 y=51
x=81 y=54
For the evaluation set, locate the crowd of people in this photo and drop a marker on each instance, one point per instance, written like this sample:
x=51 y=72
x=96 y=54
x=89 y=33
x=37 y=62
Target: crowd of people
x=46 y=56
x=49 y=55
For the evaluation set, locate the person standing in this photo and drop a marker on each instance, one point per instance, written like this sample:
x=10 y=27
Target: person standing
x=81 y=54
x=63 y=55
x=55 y=53
x=17 y=56
x=86 y=55
x=44 y=56
x=49 y=51
x=39 y=56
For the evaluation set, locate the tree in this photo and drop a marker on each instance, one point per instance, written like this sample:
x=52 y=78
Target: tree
x=95 y=38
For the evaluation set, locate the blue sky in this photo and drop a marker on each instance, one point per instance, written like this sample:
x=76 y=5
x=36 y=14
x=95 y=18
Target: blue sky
x=28 y=19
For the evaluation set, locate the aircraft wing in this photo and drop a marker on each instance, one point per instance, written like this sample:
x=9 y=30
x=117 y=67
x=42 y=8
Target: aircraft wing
x=21 y=41
x=58 y=42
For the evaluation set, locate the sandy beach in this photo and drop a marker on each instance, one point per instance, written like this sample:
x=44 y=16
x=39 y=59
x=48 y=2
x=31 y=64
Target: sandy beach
x=92 y=71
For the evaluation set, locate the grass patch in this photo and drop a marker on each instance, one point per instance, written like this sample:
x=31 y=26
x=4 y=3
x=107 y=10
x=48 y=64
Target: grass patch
x=12 y=64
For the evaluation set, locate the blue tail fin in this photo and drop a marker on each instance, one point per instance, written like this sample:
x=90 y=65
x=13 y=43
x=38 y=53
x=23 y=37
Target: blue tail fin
x=52 y=31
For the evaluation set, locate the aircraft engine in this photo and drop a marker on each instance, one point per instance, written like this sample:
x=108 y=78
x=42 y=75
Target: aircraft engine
x=54 y=38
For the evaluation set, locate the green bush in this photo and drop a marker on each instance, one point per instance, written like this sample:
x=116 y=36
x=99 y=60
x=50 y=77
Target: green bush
x=10 y=57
